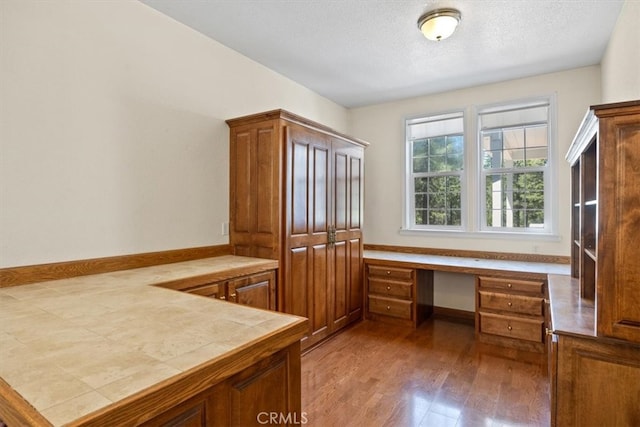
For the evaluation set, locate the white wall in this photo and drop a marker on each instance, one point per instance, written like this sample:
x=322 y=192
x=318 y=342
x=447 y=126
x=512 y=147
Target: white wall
x=621 y=62
x=383 y=126
x=112 y=135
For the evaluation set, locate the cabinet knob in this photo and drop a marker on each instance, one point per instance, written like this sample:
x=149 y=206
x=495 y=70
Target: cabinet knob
x=509 y=327
x=223 y=297
x=548 y=332
x=233 y=295
x=509 y=304
x=388 y=272
x=388 y=288
x=388 y=308
x=509 y=285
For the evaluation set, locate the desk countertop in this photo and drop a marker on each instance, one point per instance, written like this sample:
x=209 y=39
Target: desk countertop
x=74 y=346
x=466 y=265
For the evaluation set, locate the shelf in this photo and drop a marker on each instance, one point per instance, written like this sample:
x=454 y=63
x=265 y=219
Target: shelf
x=591 y=203
x=591 y=253
x=577 y=243
x=576 y=205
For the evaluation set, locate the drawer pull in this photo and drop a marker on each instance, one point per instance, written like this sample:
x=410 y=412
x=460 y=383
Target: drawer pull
x=388 y=308
x=509 y=285
x=509 y=327
x=388 y=288
x=223 y=297
x=509 y=304
x=233 y=295
x=388 y=272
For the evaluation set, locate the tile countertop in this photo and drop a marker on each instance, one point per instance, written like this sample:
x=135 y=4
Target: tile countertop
x=73 y=346
x=467 y=265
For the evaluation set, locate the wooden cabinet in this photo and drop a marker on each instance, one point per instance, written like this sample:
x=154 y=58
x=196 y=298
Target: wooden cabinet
x=296 y=192
x=604 y=159
x=595 y=315
x=268 y=390
x=256 y=290
x=596 y=383
x=399 y=294
x=510 y=311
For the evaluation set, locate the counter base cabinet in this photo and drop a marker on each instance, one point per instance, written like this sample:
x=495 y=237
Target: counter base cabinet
x=510 y=312
x=256 y=290
x=269 y=390
x=597 y=383
x=399 y=295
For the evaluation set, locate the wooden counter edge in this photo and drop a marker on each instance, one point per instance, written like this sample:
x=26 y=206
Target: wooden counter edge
x=155 y=400
x=458 y=269
x=15 y=411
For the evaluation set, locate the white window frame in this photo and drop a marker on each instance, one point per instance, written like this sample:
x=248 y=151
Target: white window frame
x=409 y=222
x=550 y=213
x=472 y=185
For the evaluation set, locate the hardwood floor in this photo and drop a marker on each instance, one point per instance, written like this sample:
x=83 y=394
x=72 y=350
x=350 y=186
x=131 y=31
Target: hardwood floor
x=375 y=374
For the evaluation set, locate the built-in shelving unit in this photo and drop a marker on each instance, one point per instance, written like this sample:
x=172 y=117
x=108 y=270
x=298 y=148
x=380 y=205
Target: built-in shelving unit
x=584 y=196
x=594 y=330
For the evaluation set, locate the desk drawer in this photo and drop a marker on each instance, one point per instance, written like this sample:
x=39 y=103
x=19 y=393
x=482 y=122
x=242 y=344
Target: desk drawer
x=390 y=307
x=512 y=327
x=516 y=285
x=391 y=272
x=390 y=288
x=512 y=303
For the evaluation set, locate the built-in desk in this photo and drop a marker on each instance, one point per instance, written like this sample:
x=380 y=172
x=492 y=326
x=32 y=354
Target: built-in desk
x=510 y=295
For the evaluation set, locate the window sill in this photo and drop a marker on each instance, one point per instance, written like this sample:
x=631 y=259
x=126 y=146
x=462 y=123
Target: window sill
x=507 y=235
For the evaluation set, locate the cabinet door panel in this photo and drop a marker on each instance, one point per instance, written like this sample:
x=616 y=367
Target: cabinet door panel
x=319 y=304
x=255 y=294
x=296 y=292
x=356 y=283
x=341 y=284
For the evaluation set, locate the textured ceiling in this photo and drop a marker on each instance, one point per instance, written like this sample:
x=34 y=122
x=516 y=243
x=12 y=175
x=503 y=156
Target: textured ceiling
x=360 y=52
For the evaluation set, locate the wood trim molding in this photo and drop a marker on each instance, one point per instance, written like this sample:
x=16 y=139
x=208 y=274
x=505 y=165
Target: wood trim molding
x=15 y=411
x=13 y=276
x=504 y=256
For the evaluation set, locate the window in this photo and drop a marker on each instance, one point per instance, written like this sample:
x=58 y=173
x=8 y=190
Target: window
x=501 y=184
x=514 y=170
x=435 y=160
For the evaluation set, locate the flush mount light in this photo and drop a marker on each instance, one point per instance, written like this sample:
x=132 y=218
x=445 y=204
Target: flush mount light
x=439 y=24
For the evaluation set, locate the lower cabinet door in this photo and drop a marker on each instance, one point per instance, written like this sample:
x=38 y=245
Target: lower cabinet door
x=257 y=290
x=268 y=393
x=192 y=413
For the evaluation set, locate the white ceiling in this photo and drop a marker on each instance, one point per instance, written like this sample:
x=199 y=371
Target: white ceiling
x=360 y=52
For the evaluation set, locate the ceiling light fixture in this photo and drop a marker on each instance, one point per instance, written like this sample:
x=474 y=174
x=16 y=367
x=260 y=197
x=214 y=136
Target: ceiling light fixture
x=439 y=24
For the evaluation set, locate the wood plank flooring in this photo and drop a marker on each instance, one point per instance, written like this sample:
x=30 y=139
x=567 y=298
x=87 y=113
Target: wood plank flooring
x=376 y=374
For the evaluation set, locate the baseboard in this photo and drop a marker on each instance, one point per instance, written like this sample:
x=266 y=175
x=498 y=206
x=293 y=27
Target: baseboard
x=14 y=276
x=455 y=314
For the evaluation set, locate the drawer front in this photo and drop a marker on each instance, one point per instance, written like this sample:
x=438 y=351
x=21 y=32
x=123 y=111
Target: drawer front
x=390 y=288
x=517 y=285
x=391 y=272
x=512 y=327
x=390 y=307
x=513 y=303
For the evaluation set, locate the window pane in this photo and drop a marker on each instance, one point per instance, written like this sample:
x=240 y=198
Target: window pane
x=421 y=185
x=421 y=165
x=515 y=200
x=437 y=164
x=437 y=154
x=437 y=146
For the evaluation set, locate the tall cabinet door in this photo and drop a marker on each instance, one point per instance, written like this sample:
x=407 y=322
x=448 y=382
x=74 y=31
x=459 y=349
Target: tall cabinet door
x=307 y=255
x=254 y=190
x=346 y=220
